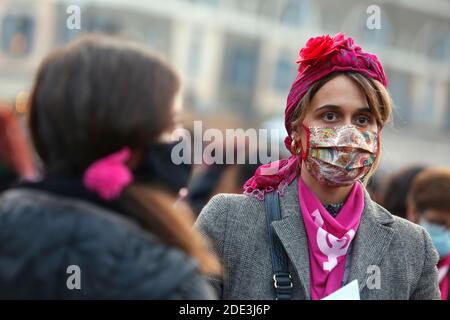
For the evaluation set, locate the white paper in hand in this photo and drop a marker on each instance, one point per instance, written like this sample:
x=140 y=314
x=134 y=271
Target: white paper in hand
x=347 y=292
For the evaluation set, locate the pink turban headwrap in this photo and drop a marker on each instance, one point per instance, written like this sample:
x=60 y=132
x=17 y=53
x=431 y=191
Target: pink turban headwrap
x=320 y=57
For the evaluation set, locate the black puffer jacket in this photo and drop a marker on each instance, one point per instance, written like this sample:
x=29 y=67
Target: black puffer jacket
x=42 y=234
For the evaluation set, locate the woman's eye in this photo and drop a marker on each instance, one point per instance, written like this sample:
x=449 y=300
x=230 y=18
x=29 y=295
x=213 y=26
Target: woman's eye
x=362 y=120
x=329 y=116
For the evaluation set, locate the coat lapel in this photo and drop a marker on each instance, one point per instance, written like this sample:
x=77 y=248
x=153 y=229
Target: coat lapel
x=370 y=245
x=371 y=242
x=292 y=234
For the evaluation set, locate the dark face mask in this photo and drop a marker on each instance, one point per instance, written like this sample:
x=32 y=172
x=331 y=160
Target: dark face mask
x=157 y=168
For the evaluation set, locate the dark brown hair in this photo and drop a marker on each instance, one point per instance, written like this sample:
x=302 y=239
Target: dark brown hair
x=431 y=190
x=96 y=96
x=397 y=188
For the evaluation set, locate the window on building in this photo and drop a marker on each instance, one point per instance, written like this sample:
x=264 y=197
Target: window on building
x=157 y=35
x=210 y=3
x=195 y=53
x=285 y=72
x=99 y=23
x=17 y=34
x=439 y=49
x=239 y=73
x=427 y=112
x=296 y=13
x=292 y=13
x=377 y=37
x=447 y=112
x=400 y=88
x=63 y=33
x=242 y=69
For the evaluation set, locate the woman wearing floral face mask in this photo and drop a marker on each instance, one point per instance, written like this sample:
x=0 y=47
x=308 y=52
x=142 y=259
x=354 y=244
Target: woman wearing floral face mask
x=306 y=226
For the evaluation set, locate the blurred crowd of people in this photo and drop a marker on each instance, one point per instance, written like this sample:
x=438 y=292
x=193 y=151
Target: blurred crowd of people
x=87 y=103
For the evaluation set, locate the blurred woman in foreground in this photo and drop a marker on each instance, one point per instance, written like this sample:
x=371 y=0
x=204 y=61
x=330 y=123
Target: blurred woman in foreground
x=98 y=108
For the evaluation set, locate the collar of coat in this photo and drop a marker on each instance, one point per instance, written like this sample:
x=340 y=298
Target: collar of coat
x=369 y=246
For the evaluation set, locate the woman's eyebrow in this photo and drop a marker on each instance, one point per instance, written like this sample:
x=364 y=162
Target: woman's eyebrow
x=328 y=107
x=336 y=108
x=365 y=109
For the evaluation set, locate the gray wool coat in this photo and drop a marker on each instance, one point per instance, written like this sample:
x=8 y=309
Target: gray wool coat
x=236 y=225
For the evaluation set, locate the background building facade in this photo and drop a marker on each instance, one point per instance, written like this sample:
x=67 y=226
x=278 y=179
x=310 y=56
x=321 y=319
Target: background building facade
x=237 y=57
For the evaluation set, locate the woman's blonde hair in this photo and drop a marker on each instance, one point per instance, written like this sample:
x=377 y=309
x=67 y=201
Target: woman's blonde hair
x=378 y=98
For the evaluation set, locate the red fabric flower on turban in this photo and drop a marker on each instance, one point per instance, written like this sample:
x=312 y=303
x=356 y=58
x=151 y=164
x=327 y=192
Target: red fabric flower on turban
x=317 y=49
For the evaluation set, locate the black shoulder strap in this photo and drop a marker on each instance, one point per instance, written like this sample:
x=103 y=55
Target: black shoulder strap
x=282 y=280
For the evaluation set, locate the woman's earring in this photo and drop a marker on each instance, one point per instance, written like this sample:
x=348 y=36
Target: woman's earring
x=294 y=148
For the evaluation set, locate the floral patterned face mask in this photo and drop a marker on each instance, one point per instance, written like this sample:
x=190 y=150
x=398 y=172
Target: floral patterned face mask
x=339 y=156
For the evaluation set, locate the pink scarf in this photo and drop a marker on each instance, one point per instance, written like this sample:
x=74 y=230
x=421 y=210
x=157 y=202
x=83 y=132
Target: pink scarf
x=444 y=277
x=329 y=238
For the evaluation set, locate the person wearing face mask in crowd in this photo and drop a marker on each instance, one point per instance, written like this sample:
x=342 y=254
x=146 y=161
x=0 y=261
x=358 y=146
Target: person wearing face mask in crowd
x=100 y=112
x=429 y=203
x=305 y=225
x=158 y=169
